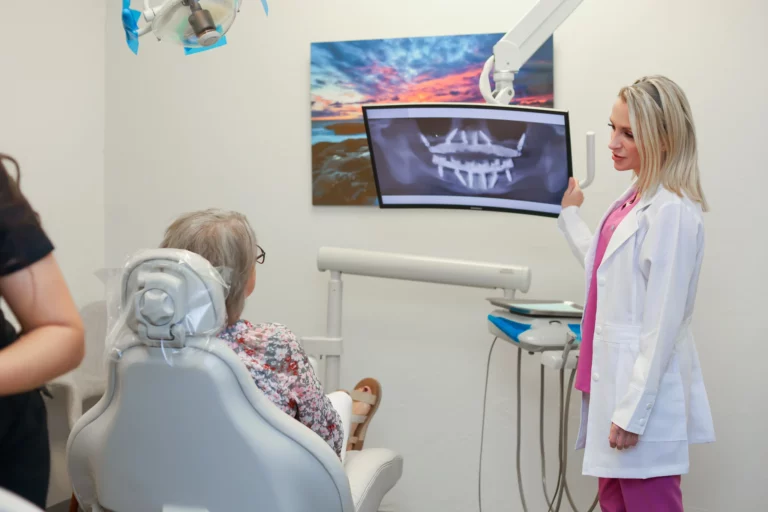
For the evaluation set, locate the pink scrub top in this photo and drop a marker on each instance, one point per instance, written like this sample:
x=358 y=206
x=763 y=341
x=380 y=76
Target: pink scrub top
x=584 y=367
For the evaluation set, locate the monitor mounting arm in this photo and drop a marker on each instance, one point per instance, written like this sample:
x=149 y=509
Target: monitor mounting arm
x=516 y=47
x=519 y=44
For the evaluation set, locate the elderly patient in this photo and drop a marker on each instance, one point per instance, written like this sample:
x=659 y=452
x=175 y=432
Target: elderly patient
x=271 y=352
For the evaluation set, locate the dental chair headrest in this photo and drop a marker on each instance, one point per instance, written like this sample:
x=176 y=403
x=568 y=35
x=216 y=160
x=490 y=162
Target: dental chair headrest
x=168 y=295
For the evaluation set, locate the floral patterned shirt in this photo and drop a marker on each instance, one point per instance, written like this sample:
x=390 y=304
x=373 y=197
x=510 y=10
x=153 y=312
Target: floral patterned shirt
x=282 y=371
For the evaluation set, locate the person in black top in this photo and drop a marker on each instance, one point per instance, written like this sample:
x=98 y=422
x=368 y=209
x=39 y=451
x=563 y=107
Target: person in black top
x=51 y=341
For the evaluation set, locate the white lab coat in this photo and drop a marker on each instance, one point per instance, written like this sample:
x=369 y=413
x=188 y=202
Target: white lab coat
x=646 y=376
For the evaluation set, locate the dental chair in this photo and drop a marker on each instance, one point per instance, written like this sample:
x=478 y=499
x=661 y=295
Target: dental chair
x=182 y=427
x=10 y=502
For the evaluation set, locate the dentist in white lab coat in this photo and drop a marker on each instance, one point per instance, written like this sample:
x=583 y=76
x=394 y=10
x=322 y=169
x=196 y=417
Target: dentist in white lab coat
x=644 y=400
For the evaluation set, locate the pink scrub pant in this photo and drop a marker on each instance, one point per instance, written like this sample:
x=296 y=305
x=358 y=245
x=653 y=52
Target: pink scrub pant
x=634 y=495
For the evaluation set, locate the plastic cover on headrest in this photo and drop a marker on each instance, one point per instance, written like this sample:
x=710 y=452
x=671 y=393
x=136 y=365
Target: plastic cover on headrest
x=163 y=297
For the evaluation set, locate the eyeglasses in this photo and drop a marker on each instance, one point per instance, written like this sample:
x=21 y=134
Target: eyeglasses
x=261 y=255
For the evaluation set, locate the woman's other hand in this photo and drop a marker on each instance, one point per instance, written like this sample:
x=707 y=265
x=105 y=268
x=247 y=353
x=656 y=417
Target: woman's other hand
x=621 y=439
x=573 y=196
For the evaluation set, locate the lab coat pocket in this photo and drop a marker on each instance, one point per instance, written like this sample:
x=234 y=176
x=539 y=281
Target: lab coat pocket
x=625 y=363
x=668 y=418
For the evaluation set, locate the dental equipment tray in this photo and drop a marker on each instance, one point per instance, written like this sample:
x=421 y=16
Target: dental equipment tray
x=539 y=308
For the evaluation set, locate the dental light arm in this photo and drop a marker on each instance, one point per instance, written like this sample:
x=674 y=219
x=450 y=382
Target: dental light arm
x=150 y=13
x=514 y=50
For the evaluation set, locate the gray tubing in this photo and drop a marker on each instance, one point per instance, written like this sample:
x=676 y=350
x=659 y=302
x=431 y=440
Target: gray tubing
x=563 y=435
x=519 y=422
x=557 y=497
x=564 y=438
x=541 y=439
x=482 y=429
x=562 y=484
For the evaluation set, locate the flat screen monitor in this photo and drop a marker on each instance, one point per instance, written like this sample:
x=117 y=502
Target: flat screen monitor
x=472 y=156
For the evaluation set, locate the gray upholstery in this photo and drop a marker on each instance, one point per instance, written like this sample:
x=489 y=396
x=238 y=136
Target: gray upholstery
x=182 y=424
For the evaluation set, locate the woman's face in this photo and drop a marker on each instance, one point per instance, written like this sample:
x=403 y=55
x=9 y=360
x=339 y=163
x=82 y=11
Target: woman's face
x=622 y=145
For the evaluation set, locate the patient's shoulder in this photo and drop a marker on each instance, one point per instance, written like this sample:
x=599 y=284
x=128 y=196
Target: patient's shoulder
x=261 y=334
x=274 y=332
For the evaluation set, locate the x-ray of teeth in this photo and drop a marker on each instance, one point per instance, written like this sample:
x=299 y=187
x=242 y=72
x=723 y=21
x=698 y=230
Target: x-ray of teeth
x=473 y=157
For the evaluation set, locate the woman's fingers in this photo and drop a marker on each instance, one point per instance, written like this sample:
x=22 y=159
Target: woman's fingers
x=613 y=437
x=573 y=196
x=620 y=439
x=622 y=442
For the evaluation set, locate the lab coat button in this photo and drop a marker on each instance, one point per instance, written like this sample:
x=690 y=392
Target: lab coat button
x=601 y=281
x=598 y=329
x=595 y=376
x=642 y=422
x=648 y=407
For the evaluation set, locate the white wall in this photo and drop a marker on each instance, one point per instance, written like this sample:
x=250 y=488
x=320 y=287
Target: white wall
x=230 y=128
x=52 y=121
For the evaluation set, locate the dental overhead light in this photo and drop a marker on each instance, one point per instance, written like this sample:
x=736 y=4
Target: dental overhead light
x=196 y=25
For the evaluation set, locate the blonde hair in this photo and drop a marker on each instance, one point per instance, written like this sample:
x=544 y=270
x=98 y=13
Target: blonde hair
x=662 y=123
x=226 y=240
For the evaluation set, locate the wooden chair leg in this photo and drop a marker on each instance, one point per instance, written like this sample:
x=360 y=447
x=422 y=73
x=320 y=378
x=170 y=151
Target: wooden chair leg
x=74 y=506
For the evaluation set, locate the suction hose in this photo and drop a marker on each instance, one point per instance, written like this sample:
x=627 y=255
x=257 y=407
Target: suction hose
x=561 y=487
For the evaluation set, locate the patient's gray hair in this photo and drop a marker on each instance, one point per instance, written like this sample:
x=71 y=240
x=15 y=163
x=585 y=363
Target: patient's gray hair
x=226 y=240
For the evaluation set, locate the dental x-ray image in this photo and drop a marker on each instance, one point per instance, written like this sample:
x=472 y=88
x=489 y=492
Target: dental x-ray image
x=445 y=156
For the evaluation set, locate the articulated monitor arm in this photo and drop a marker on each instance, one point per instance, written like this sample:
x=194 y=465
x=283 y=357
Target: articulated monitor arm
x=514 y=50
x=519 y=44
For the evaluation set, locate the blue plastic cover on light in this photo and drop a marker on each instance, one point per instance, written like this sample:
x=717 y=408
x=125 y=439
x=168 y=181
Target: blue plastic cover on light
x=223 y=40
x=220 y=42
x=131 y=26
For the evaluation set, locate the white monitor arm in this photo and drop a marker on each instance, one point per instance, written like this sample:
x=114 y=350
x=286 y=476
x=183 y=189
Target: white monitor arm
x=519 y=44
x=514 y=50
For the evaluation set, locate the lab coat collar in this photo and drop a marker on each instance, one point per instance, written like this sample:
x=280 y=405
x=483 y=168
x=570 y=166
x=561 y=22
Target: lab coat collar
x=647 y=199
x=628 y=225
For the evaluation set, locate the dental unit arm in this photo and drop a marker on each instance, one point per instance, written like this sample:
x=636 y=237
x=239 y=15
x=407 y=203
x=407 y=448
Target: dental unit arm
x=339 y=261
x=552 y=330
x=547 y=327
x=514 y=50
